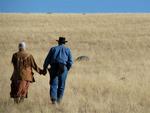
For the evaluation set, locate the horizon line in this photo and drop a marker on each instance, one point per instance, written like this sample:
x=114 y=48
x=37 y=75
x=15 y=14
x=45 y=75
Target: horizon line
x=74 y=12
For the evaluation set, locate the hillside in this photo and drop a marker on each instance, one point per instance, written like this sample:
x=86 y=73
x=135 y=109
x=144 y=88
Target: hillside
x=115 y=79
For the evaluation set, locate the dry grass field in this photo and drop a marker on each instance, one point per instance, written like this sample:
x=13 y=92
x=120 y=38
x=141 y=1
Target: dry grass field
x=116 y=79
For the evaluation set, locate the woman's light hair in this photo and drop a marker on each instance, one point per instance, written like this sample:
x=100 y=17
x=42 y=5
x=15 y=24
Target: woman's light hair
x=22 y=45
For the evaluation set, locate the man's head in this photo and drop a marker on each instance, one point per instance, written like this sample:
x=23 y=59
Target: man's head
x=62 y=40
x=22 y=46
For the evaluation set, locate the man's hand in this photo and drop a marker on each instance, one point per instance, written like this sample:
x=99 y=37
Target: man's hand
x=44 y=72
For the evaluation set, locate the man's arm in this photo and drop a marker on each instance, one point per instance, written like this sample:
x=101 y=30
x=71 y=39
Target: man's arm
x=70 y=60
x=47 y=60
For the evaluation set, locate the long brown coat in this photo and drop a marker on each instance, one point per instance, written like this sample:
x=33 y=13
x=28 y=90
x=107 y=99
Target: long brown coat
x=23 y=63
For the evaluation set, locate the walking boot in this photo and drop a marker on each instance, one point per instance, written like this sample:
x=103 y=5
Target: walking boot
x=21 y=99
x=54 y=101
x=16 y=100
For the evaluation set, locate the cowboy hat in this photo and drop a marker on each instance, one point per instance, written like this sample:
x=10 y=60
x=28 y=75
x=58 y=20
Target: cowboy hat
x=62 y=40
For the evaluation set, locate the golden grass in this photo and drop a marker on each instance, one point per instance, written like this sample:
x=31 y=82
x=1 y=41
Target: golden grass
x=115 y=80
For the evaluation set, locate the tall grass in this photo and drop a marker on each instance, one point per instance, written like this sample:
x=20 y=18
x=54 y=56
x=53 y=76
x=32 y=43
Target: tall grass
x=115 y=79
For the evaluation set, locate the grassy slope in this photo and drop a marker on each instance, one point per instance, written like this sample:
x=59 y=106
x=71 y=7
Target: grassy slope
x=115 y=80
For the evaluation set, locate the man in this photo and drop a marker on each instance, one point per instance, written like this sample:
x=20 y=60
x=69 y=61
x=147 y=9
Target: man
x=60 y=60
x=22 y=76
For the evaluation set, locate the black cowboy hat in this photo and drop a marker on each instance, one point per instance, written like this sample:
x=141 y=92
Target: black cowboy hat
x=62 y=40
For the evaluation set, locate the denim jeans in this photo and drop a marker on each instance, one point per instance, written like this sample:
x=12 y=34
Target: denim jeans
x=57 y=83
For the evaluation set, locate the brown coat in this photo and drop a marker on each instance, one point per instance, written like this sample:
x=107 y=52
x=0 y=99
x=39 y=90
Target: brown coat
x=23 y=64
